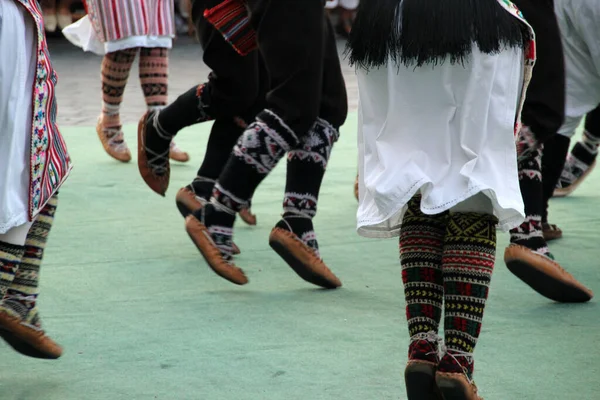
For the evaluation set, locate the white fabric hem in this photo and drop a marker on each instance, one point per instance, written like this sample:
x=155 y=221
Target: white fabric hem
x=13 y=222
x=82 y=34
x=368 y=227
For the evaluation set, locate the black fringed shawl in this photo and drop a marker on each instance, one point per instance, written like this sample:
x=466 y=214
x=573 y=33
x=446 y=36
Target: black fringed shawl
x=419 y=32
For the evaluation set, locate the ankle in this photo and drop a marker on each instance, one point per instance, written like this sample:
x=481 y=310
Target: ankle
x=457 y=362
x=425 y=347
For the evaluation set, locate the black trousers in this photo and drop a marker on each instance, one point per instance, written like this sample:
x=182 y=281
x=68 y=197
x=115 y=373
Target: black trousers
x=544 y=108
x=237 y=85
x=297 y=44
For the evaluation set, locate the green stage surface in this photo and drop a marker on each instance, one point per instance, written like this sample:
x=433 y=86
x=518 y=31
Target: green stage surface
x=142 y=317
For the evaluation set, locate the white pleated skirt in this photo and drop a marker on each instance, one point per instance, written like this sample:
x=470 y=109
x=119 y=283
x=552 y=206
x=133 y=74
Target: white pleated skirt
x=446 y=132
x=17 y=71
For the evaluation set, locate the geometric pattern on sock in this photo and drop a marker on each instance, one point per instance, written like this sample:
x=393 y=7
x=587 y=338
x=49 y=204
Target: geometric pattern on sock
x=468 y=263
x=154 y=75
x=222 y=236
x=300 y=203
x=578 y=162
x=10 y=259
x=115 y=73
x=22 y=294
x=529 y=233
x=317 y=144
x=590 y=142
x=226 y=201
x=421 y=249
x=265 y=142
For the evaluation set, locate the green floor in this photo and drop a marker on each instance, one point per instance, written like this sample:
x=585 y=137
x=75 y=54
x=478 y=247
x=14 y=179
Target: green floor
x=142 y=317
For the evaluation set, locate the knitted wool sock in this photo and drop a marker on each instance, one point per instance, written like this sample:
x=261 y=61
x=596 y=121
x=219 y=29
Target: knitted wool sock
x=224 y=133
x=10 y=260
x=584 y=153
x=421 y=247
x=22 y=294
x=468 y=263
x=529 y=233
x=257 y=152
x=115 y=73
x=305 y=170
x=154 y=76
x=555 y=151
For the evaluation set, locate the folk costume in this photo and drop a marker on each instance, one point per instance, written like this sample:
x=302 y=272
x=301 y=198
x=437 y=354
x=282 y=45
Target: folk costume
x=441 y=85
x=578 y=22
x=35 y=165
x=540 y=165
x=305 y=104
x=119 y=31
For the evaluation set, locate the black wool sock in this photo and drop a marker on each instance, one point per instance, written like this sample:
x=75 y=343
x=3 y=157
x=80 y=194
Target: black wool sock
x=553 y=161
x=305 y=170
x=188 y=109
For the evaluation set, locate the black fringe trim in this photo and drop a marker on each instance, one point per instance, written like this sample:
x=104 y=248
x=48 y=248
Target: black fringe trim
x=419 y=32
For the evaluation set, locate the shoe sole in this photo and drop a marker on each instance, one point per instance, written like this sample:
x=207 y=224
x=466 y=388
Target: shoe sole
x=212 y=255
x=23 y=347
x=420 y=382
x=452 y=389
x=305 y=269
x=549 y=286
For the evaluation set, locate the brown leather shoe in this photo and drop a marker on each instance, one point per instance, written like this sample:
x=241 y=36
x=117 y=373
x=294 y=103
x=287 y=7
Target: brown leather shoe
x=175 y=153
x=302 y=259
x=247 y=216
x=113 y=142
x=159 y=183
x=419 y=376
x=545 y=276
x=27 y=340
x=211 y=253
x=188 y=203
x=456 y=386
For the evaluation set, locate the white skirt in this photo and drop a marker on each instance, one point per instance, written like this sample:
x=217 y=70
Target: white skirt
x=82 y=34
x=446 y=132
x=17 y=71
x=579 y=22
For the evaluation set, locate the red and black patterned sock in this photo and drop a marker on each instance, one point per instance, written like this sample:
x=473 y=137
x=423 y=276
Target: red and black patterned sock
x=421 y=246
x=468 y=263
x=305 y=170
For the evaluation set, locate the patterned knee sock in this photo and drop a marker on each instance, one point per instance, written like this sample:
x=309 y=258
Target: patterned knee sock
x=584 y=152
x=10 y=259
x=421 y=246
x=257 y=152
x=22 y=294
x=115 y=72
x=154 y=76
x=529 y=233
x=468 y=263
x=305 y=170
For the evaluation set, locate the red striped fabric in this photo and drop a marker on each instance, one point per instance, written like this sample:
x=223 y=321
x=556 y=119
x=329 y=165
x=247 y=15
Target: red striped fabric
x=120 y=19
